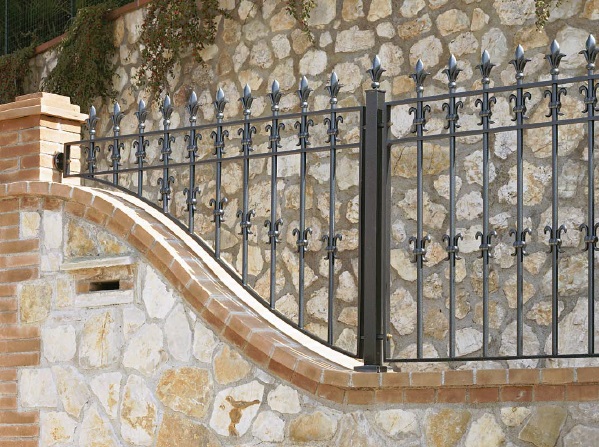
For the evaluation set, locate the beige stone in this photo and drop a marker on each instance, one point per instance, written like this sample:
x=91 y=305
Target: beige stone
x=591 y=10
x=268 y=427
x=133 y=319
x=403 y=160
x=354 y=40
x=186 y=390
x=100 y=343
x=429 y=50
x=34 y=302
x=403 y=311
x=316 y=426
x=72 y=389
x=30 y=224
x=514 y=12
x=445 y=428
x=349 y=316
x=541 y=312
x=56 y=428
x=479 y=19
x=80 y=240
x=236 y=408
x=178 y=334
x=355 y=430
x=411 y=8
x=495 y=42
x=485 y=431
x=107 y=388
x=96 y=431
x=536 y=178
x=416 y=27
x=544 y=426
x=386 y=30
x=347 y=340
x=397 y=422
x=434 y=213
x=435 y=324
x=581 y=436
x=139 y=413
x=452 y=21
x=324 y=12
x=204 y=343
x=352 y=10
x=379 y=9
x=284 y=399
x=145 y=350
x=530 y=342
x=514 y=416
x=496 y=314
x=229 y=366
x=177 y=431
x=52 y=228
x=157 y=298
x=59 y=343
x=510 y=289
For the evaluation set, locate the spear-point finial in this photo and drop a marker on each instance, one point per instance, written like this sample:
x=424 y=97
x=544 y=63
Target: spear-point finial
x=247 y=99
x=519 y=62
x=590 y=52
x=141 y=114
x=376 y=72
x=304 y=92
x=193 y=107
x=219 y=103
x=116 y=117
x=452 y=71
x=333 y=88
x=167 y=110
x=275 y=96
x=92 y=121
x=419 y=76
x=554 y=57
x=485 y=67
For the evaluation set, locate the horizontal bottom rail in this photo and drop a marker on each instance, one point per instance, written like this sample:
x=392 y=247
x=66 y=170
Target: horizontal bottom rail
x=491 y=358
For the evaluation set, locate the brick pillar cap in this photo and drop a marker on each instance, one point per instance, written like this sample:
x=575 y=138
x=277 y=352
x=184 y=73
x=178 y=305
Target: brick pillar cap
x=42 y=103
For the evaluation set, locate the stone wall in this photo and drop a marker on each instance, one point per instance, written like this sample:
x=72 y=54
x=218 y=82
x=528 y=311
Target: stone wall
x=260 y=42
x=142 y=365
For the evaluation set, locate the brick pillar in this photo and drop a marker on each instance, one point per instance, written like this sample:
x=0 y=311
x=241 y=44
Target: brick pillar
x=32 y=130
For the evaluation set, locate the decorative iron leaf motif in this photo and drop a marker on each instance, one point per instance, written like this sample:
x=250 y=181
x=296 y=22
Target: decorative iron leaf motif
x=219 y=103
x=519 y=62
x=554 y=57
x=92 y=120
x=419 y=76
x=485 y=67
x=167 y=111
x=193 y=107
x=333 y=87
x=590 y=52
x=375 y=72
x=141 y=114
x=275 y=96
x=452 y=71
x=246 y=99
x=304 y=92
x=116 y=116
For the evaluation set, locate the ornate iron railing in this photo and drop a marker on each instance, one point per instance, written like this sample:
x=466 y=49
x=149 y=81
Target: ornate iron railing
x=381 y=130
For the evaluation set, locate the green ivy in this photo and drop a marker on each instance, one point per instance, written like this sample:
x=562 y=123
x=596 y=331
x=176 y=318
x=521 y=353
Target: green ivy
x=543 y=10
x=15 y=69
x=169 y=29
x=85 y=67
x=300 y=10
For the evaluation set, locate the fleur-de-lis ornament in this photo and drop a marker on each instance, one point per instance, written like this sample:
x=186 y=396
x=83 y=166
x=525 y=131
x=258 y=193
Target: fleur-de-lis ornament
x=419 y=75
x=192 y=107
x=452 y=71
x=375 y=72
x=485 y=67
x=519 y=62
x=219 y=103
x=141 y=114
x=304 y=92
x=590 y=52
x=167 y=110
x=116 y=116
x=91 y=121
x=333 y=88
x=554 y=57
x=246 y=99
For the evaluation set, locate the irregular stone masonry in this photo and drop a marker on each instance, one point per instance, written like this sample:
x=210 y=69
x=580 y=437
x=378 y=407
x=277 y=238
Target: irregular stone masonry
x=260 y=42
x=115 y=382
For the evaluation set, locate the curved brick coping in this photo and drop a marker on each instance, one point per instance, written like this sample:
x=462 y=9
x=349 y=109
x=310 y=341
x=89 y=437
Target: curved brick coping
x=219 y=300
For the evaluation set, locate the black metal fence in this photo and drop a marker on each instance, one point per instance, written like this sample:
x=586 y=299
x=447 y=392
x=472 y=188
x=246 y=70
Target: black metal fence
x=187 y=183
x=37 y=21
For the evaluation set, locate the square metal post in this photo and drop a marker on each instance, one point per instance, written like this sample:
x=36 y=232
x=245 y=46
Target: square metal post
x=374 y=234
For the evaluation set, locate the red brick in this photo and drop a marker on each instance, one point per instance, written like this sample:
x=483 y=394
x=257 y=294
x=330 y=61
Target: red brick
x=452 y=395
x=523 y=376
x=359 y=397
x=549 y=393
x=557 y=375
x=582 y=392
x=484 y=395
x=453 y=378
x=587 y=375
x=13 y=417
x=419 y=396
x=516 y=394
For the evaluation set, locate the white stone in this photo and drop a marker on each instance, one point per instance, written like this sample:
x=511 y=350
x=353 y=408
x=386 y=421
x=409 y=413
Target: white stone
x=400 y=262
x=473 y=165
x=284 y=399
x=452 y=21
x=30 y=224
x=288 y=306
x=325 y=39
x=59 y=343
x=379 y=9
x=531 y=345
x=434 y=213
x=411 y=8
x=261 y=55
x=392 y=56
x=52 y=226
x=347 y=340
x=281 y=46
x=395 y=422
x=100 y=343
x=442 y=185
x=514 y=416
x=386 y=30
x=145 y=350
x=56 y=428
x=323 y=13
x=350 y=75
x=157 y=298
x=37 y=388
x=403 y=311
x=72 y=389
x=514 y=12
x=354 y=40
x=178 y=334
x=96 y=431
x=469 y=206
x=245 y=399
x=479 y=19
x=536 y=178
x=465 y=43
x=485 y=431
x=428 y=50
x=133 y=319
x=268 y=427
x=204 y=343
x=318 y=305
x=242 y=52
x=495 y=43
x=581 y=436
x=139 y=413
x=107 y=388
x=467 y=341
x=349 y=316
x=347 y=290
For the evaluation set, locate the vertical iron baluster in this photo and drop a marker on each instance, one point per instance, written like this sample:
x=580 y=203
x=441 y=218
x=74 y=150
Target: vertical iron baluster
x=192 y=151
x=165 y=141
x=115 y=148
x=331 y=239
x=519 y=62
x=219 y=136
x=92 y=150
x=486 y=235
x=555 y=233
x=246 y=147
x=140 y=145
x=302 y=232
x=452 y=107
x=590 y=240
x=274 y=224
x=419 y=241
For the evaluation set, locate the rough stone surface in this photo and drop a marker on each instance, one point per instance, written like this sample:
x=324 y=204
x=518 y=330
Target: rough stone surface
x=446 y=427
x=56 y=428
x=316 y=426
x=96 y=431
x=145 y=350
x=59 y=343
x=34 y=300
x=177 y=431
x=187 y=390
x=138 y=412
x=229 y=366
x=107 y=388
x=236 y=408
x=37 y=388
x=485 y=431
x=99 y=344
x=544 y=426
x=72 y=389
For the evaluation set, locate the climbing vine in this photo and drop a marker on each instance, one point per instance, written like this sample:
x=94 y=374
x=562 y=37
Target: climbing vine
x=543 y=10
x=15 y=69
x=85 y=67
